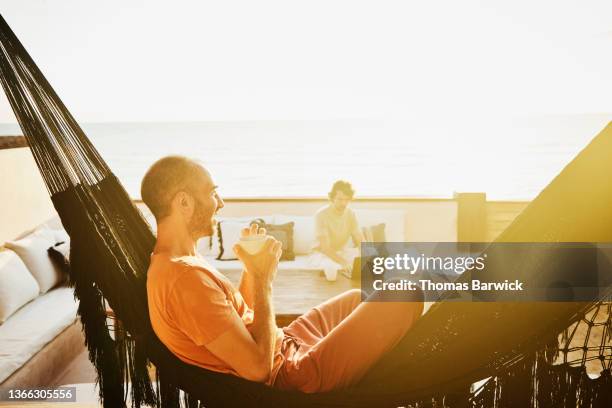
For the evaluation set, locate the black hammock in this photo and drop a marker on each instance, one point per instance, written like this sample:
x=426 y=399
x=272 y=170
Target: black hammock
x=525 y=350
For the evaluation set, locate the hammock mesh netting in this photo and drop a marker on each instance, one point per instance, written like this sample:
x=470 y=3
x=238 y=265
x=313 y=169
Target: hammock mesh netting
x=523 y=354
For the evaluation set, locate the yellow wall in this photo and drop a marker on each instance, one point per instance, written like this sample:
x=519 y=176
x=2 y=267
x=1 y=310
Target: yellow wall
x=24 y=201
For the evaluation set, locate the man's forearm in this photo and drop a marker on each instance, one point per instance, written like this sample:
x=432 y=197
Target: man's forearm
x=247 y=288
x=264 y=327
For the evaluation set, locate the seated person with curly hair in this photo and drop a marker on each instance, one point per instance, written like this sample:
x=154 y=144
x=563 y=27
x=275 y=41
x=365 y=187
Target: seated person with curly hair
x=335 y=225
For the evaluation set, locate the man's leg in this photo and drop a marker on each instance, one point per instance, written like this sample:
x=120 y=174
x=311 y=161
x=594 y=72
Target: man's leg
x=315 y=324
x=309 y=329
x=344 y=355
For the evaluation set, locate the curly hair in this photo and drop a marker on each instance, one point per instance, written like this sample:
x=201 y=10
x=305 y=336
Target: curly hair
x=343 y=186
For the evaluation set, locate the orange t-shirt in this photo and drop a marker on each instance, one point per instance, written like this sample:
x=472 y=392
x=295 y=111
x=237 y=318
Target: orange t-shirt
x=190 y=305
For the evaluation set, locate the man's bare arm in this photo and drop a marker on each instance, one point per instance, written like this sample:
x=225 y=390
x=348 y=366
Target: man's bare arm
x=246 y=287
x=252 y=354
x=264 y=326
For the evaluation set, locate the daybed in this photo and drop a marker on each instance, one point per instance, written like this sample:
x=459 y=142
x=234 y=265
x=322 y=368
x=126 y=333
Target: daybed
x=39 y=331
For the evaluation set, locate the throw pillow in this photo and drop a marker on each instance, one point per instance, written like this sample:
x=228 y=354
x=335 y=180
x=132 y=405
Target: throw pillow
x=283 y=233
x=32 y=250
x=374 y=233
x=304 y=237
x=17 y=285
x=61 y=236
x=394 y=221
x=60 y=257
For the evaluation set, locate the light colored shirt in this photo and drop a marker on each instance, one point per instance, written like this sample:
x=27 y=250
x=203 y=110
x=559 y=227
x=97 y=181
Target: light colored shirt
x=338 y=228
x=190 y=305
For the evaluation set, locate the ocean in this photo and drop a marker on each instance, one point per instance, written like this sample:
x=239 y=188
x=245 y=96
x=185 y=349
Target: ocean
x=508 y=160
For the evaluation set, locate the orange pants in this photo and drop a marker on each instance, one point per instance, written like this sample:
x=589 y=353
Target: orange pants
x=334 y=344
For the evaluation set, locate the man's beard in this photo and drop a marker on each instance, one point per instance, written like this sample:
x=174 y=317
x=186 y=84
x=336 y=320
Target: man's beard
x=201 y=222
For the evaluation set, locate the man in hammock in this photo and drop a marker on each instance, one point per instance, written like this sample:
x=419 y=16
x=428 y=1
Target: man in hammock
x=203 y=319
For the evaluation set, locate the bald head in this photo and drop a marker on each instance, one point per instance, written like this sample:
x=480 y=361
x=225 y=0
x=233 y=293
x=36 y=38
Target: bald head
x=166 y=177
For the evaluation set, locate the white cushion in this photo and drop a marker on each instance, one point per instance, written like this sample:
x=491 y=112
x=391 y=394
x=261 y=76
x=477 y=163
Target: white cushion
x=210 y=245
x=230 y=235
x=204 y=246
x=17 y=285
x=32 y=250
x=54 y=223
x=61 y=236
x=304 y=237
x=63 y=248
x=33 y=326
x=393 y=219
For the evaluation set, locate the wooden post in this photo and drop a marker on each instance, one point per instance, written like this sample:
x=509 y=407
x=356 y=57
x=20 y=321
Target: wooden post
x=471 y=217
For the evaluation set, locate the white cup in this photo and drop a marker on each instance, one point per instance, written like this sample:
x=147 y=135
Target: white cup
x=252 y=244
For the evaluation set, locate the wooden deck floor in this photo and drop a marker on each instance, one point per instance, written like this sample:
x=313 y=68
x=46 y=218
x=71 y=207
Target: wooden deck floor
x=296 y=292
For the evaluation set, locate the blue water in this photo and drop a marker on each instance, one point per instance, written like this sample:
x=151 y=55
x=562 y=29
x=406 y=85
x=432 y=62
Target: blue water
x=507 y=160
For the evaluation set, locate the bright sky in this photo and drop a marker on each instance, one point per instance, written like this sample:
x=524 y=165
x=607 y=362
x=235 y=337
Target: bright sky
x=235 y=60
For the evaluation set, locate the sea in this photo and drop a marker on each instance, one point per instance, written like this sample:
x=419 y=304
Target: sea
x=508 y=159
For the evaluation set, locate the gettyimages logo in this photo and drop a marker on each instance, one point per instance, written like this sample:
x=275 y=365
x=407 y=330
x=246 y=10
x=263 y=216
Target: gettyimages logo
x=412 y=264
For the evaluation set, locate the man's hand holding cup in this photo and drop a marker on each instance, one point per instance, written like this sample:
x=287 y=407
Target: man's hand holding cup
x=258 y=252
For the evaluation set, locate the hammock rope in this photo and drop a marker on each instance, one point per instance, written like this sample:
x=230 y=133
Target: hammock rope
x=517 y=346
